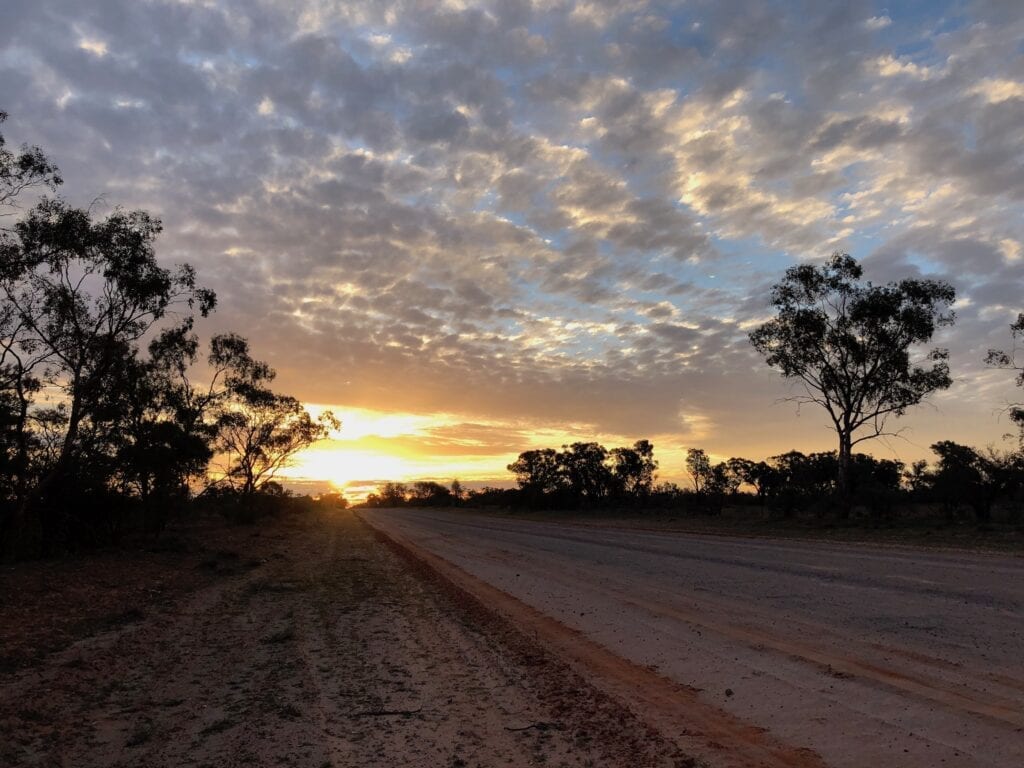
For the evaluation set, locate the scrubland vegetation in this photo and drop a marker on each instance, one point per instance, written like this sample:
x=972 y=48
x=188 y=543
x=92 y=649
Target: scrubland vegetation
x=114 y=416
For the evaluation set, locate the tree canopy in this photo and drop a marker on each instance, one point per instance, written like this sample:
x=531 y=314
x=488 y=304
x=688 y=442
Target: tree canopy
x=1009 y=360
x=854 y=346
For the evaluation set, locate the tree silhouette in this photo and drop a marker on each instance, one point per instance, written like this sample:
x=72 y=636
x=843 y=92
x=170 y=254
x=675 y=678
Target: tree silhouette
x=392 y=494
x=260 y=432
x=78 y=295
x=23 y=170
x=698 y=465
x=458 y=492
x=537 y=473
x=757 y=474
x=850 y=345
x=633 y=468
x=1002 y=359
x=965 y=476
x=430 y=493
x=586 y=472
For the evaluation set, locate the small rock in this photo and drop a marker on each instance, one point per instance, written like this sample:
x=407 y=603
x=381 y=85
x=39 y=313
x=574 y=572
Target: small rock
x=728 y=692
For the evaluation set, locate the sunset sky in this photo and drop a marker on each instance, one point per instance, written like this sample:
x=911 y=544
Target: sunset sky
x=472 y=229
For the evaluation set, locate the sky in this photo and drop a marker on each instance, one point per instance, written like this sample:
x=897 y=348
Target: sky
x=471 y=229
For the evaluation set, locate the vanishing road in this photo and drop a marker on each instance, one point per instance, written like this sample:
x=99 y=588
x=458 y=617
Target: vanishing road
x=847 y=655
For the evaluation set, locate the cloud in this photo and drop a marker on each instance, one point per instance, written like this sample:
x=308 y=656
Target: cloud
x=555 y=213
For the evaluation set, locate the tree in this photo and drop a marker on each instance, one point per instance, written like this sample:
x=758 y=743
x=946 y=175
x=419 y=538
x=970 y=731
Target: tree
x=1008 y=360
x=759 y=475
x=537 y=473
x=391 y=495
x=851 y=345
x=586 y=472
x=633 y=469
x=712 y=483
x=918 y=479
x=428 y=493
x=978 y=479
x=458 y=492
x=799 y=479
x=78 y=295
x=698 y=465
x=260 y=433
x=18 y=172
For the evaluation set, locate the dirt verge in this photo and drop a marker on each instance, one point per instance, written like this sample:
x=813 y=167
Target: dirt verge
x=313 y=645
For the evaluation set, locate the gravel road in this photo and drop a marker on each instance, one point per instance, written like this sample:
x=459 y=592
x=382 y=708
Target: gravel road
x=856 y=655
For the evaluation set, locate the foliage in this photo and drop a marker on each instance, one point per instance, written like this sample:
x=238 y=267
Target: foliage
x=538 y=474
x=22 y=171
x=587 y=475
x=759 y=475
x=125 y=435
x=976 y=479
x=633 y=469
x=1003 y=359
x=850 y=345
x=458 y=493
x=427 y=493
x=698 y=465
x=259 y=433
x=388 y=495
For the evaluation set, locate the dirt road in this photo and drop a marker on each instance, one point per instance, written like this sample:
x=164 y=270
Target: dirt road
x=754 y=652
x=305 y=642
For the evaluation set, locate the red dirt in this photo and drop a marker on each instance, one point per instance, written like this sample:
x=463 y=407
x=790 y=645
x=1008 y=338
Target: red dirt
x=670 y=709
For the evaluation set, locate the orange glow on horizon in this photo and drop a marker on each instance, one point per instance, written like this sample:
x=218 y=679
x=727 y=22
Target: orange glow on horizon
x=373 y=447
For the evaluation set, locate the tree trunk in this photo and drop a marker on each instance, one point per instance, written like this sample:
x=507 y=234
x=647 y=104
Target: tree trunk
x=843 y=486
x=37 y=506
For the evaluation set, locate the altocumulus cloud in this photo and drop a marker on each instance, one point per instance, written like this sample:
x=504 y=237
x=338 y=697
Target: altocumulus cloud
x=548 y=213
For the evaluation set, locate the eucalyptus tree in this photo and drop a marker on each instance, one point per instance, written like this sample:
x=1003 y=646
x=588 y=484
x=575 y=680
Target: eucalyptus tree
x=22 y=170
x=633 y=469
x=854 y=347
x=259 y=432
x=86 y=292
x=1011 y=361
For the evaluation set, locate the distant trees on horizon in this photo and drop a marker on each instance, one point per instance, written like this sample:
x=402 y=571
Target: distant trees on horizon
x=586 y=476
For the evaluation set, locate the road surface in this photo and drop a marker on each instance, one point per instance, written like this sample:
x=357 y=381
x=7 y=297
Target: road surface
x=856 y=655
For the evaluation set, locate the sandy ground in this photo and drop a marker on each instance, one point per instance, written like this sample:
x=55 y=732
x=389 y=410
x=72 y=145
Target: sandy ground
x=313 y=644
x=759 y=652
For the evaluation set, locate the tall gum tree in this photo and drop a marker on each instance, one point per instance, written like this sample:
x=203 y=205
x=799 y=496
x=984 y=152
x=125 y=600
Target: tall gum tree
x=855 y=347
x=1011 y=360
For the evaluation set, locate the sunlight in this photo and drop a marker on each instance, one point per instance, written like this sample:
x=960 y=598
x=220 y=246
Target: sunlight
x=344 y=466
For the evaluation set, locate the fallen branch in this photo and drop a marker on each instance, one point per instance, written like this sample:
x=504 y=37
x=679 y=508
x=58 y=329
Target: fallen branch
x=540 y=726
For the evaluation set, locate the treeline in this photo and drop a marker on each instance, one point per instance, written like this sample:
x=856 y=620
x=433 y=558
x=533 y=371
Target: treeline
x=112 y=413
x=962 y=483
x=422 y=493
